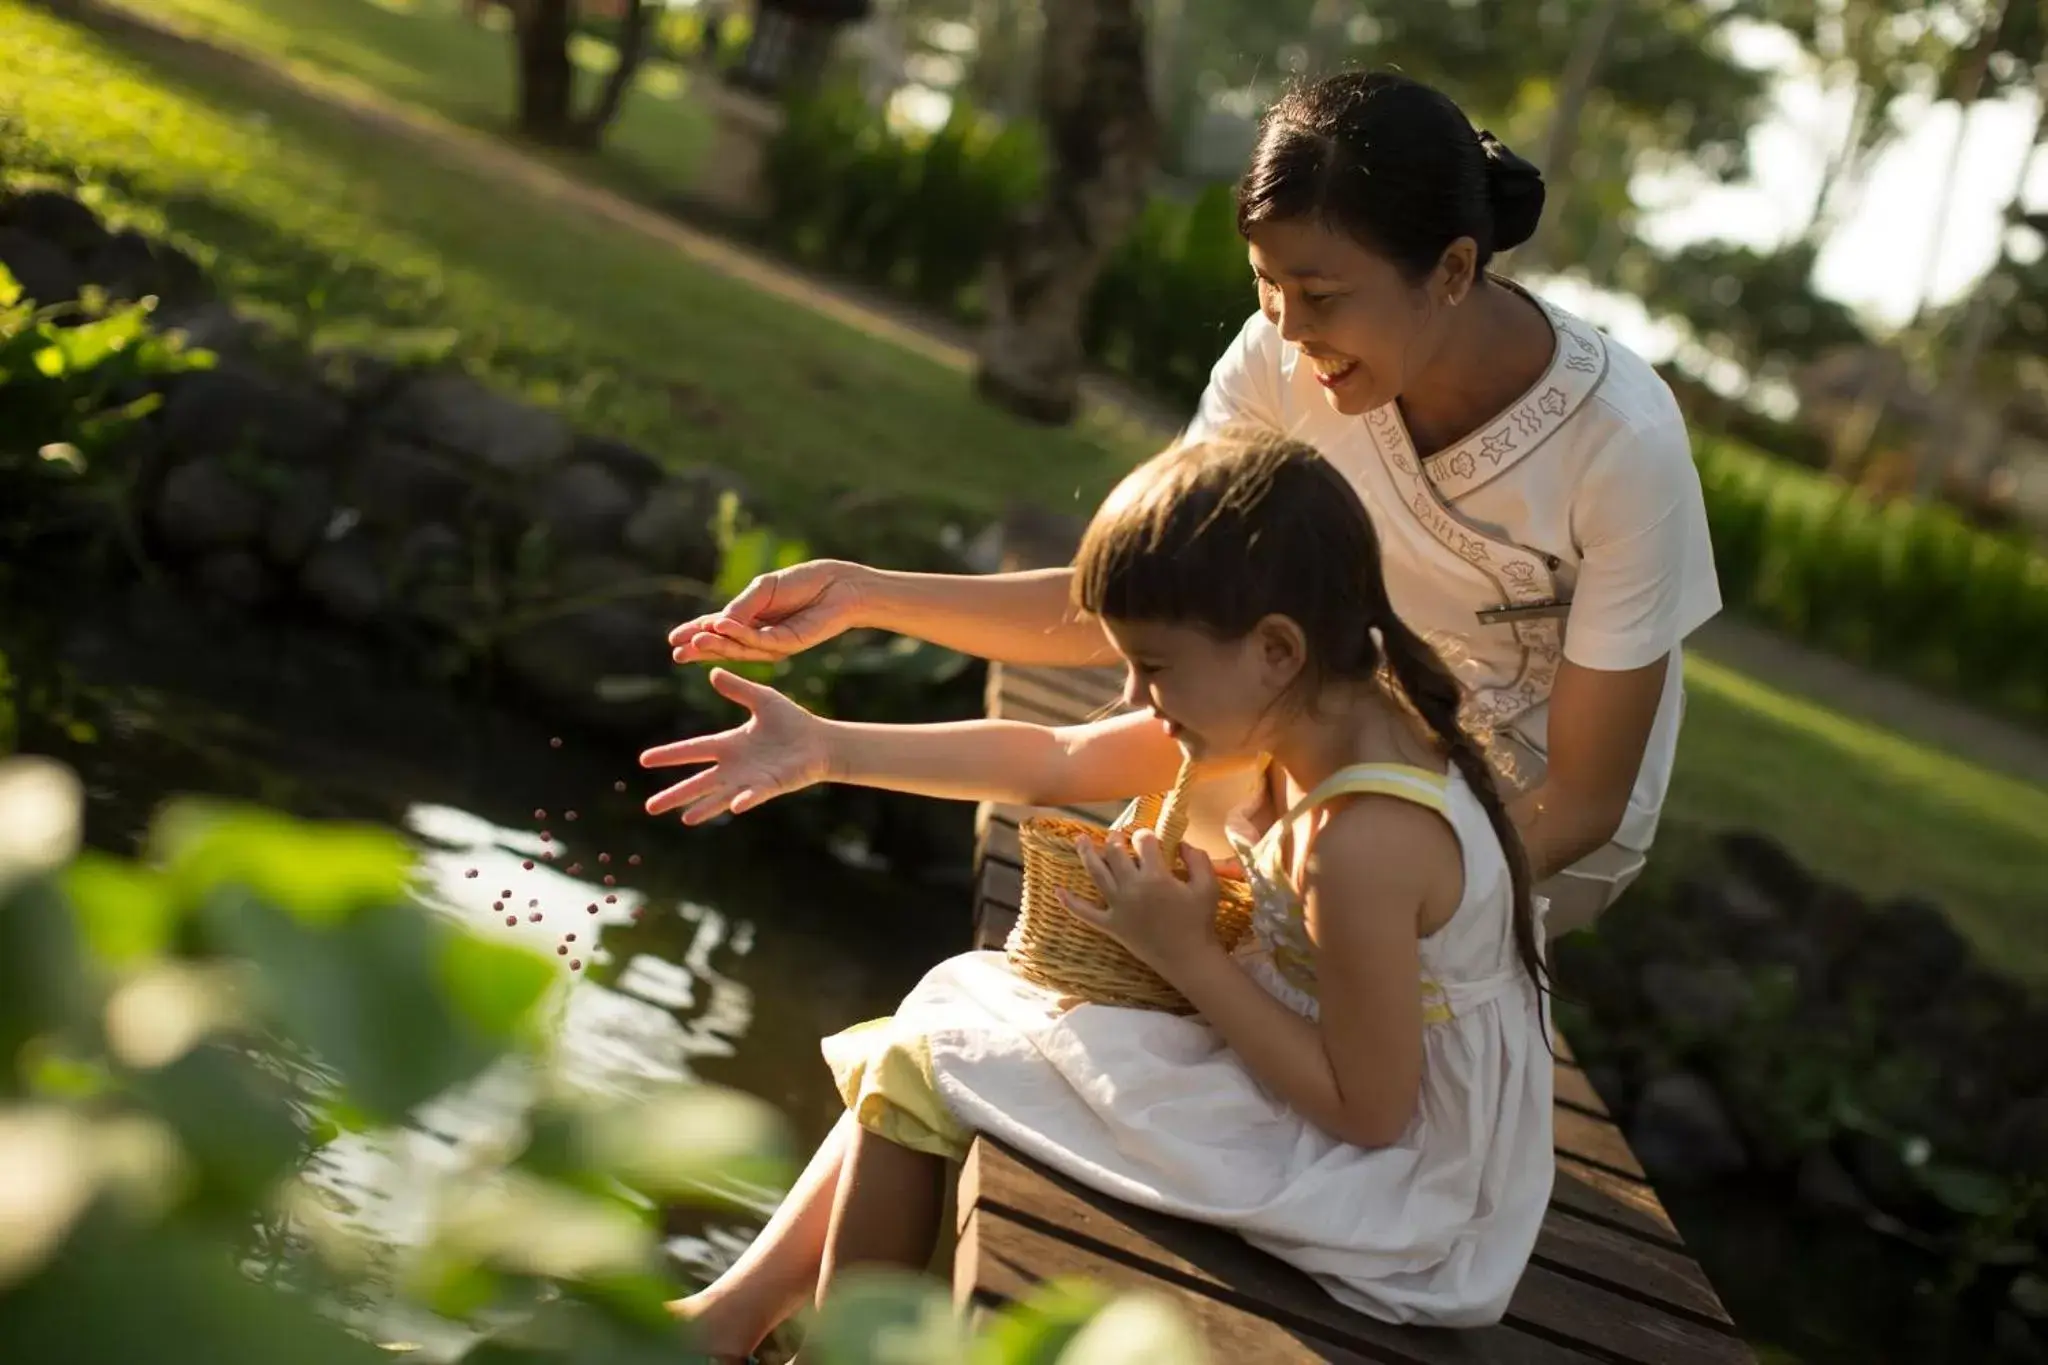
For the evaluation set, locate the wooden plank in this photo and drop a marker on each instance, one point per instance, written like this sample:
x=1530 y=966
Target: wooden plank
x=1597 y=1142
x=1617 y=1201
x=1617 y=1327
x=1073 y=705
x=1002 y=1260
x=1638 y=1268
x=1209 y=1264
x=1572 y=1088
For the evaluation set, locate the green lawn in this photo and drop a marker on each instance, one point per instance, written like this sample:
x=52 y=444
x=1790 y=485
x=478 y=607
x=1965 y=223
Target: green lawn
x=427 y=53
x=344 y=228
x=1869 y=808
x=299 y=208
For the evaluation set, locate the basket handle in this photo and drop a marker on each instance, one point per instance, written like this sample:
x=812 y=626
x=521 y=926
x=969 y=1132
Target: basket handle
x=1172 y=826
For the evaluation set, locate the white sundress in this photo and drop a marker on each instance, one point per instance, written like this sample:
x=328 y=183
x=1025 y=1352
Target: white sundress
x=1154 y=1109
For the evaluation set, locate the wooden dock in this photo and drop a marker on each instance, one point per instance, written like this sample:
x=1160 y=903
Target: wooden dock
x=1610 y=1281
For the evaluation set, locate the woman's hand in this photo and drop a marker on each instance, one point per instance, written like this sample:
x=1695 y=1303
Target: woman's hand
x=1168 y=923
x=779 y=614
x=780 y=749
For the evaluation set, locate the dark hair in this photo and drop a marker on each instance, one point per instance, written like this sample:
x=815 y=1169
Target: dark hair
x=1223 y=533
x=1393 y=164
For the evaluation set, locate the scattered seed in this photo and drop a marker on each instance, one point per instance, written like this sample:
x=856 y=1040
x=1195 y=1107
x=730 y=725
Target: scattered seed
x=546 y=837
x=506 y=894
x=610 y=880
x=498 y=906
x=636 y=912
x=547 y=855
x=511 y=919
x=534 y=917
x=555 y=743
x=574 y=868
x=572 y=938
x=540 y=815
x=592 y=907
x=633 y=861
x=471 y=874
x=527 y=864
x=604 y=857
x=611 y=900
x=618 y=786
x=575 y=964
x=532 y=904
x=568 y=815
x=561 y=952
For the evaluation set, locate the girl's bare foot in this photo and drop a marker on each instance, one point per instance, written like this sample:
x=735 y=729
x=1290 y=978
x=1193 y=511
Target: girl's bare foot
x=723 y=1327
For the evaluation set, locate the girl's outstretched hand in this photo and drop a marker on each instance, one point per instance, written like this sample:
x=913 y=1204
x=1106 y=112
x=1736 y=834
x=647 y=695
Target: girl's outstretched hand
x=780 y=749
x=1165 y=921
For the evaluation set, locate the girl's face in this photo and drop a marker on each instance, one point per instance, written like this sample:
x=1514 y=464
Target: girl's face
x=1365 y=327
x=1218 y=698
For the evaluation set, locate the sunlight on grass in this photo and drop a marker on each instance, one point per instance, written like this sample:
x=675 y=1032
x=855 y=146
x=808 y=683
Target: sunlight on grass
x=300 y=207
x=1869 y=808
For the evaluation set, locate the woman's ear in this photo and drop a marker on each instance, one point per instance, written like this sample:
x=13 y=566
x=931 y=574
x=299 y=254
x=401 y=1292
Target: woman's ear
x=1456 y=271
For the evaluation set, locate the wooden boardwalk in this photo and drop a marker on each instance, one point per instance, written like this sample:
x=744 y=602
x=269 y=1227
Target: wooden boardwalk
x=1610 y=1281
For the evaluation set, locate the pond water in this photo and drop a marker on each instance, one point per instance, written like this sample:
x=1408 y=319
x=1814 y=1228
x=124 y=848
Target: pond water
x=720 y=954
x=727 y=953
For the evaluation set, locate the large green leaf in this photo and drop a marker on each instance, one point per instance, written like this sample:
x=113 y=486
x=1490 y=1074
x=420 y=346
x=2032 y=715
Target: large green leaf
x=319 y=873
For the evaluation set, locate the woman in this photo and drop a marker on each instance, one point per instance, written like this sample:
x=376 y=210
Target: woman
x=1531 y=481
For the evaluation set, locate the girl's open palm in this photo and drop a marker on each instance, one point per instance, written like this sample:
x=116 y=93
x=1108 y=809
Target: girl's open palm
x=779 y=749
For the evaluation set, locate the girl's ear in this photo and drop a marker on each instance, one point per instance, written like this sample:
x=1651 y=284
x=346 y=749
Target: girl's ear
x=1282 y=650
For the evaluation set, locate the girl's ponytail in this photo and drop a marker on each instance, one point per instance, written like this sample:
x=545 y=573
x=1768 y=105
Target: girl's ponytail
x=1435 y=696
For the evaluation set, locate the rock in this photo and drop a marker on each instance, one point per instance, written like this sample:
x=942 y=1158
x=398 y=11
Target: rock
x=456 y=414
x=46 y=275
x=233 y=409
x=56 y=218
x=632 y=467
x=129 y=265
x=584 y=507
x=301 y=509
x=1682 y=1131
x=215 y=326
x=1913 y=939
x=397 y=486
x=1696 y=1002
x=2020 y=1143
x=673 y=532
x=1769 y=870
x=564 y=660
x=1825 y=1186
x=204 y=507
x=343 y=577
x=431 y=566
x=360 y=379
x=237 y=578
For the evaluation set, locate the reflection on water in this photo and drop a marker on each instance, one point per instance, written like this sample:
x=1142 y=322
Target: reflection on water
x=718 y=954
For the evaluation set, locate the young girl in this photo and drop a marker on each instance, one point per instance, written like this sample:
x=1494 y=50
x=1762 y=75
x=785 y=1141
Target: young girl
x=1365 y=1090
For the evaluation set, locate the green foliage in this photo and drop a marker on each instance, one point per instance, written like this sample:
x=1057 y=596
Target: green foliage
x=1905 y=586
x=919 y=211
x=152 y=1017
x=68 y=375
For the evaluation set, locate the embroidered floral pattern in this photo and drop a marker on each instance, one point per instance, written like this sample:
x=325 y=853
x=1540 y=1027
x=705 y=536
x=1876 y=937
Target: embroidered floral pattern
x=1522 y=576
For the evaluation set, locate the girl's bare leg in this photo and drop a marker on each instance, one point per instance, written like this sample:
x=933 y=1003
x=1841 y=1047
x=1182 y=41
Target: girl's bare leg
x=781 y=1270
x=888 y=1208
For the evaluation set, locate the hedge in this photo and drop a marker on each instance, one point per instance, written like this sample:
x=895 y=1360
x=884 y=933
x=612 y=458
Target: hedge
x=1903 y=586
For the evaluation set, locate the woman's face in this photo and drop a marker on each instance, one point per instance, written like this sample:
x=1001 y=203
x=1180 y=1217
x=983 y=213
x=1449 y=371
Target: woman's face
x=1366 y=329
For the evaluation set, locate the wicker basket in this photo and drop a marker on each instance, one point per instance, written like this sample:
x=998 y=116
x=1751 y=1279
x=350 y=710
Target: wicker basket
x=1053 y=948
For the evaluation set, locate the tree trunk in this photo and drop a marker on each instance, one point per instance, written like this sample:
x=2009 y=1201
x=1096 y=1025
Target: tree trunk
x=1103 y=140
x=1856 y=435
x=1563 y=138
x=636 y=36
x=547 y=78
x=1990 y=295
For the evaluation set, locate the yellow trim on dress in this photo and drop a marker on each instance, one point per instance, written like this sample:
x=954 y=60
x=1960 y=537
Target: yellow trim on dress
x=884 y=1075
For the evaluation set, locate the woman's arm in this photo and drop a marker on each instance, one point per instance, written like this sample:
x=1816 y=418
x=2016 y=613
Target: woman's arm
x=1598 y=728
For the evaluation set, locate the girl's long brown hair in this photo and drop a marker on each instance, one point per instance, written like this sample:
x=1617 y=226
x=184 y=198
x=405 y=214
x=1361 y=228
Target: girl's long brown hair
x=1223 y=533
